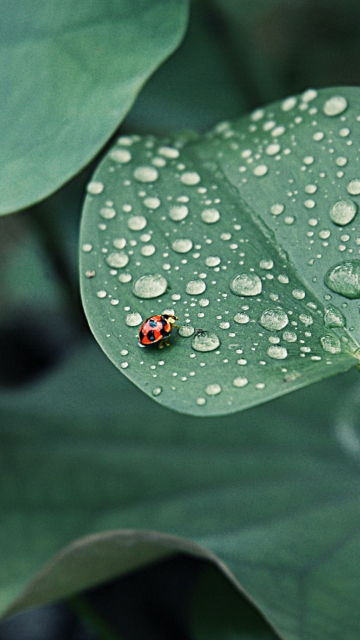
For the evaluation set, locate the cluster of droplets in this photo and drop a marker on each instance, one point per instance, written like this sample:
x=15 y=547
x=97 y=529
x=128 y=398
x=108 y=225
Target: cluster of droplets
x=156 y=246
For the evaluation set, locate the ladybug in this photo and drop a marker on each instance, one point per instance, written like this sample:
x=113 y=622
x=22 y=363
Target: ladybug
x=156 y=329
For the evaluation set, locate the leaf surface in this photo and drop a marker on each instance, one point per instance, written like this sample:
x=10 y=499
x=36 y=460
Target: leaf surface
x=69 y=74
x=249 y=235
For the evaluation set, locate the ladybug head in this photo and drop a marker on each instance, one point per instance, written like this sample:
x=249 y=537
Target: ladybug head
x=170 y=317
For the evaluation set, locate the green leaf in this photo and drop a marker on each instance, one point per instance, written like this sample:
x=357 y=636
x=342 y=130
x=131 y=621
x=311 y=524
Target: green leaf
x=69 y=74
x=249 y=235
x=277 y=500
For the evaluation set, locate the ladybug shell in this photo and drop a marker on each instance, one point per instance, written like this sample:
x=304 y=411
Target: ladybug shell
x=154 y=329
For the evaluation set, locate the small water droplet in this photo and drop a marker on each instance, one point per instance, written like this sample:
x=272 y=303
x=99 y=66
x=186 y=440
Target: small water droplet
x=266 y=264
x=335 y=105
x=212 y=261
x=190 y=178
x=152 y=202
x=101 y=294
x=260 y=170
x=246 y=284
x=148 y=250
x=288 y=104
x=117 y=260
x=125 y=277
x=344 y=278
x=354 y=187
x=90 y=273
x=186 y=331
x=178 y=212
x=87 y=247
x=305 y=319
x=120 y=155
x=182 y=245
x=333 y=317
x=150 y=286
x=213 y=389
x=124 y=365
x=169 y=152
x=210 y=215
x=241 y=318
x=146 y=174
x=107 y=212
x=137 y=223
x=343 y=212
x=276 y=352
x=205 y=341
x=156 y=391
x=330 y=343
x=95 y=188
x=240 y=382
x=277 y=209
x=298 y=294
x=195 y=287
x=289 y=336
x=201 y=401
x=133 y=319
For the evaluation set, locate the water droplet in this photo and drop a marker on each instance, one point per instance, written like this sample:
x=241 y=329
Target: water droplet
x=150 y=286
x=333 y=317
x=309 y=94
x=120 y=155
x=156 y=391
x=260 y=170
x=146 y=174
x=246 y=284
x=125 y=277
x=201 y=401
x=195 y=287
x=137 y=223
x=298 y=294
x=182 y=245
x=343 y=211
x=205 y=341
x=240 y=382
x=213 y=389
x=330 y=343
x=276 y=209
x=212 y=261
x=278 y=353
x=289 y=336
x=335 y=105
x=178 y=212
x=288 y=104
x=305 y=319
x=152 y=203
x=354 y=187
x=95 y=188
x=101 y=294
x=169 y=152
x=90 y=273
x=224 y=325
x=344 y=278
x=273 y=149
x=133 y=319
x=241 y=318
x=107 y=212
x=148 y=250
x=117 y=260
x=186 y=331
x=266 y=264
x=87 y=247
x=119 y=243
x=210 y=215
x=190 y=178
x=274 y=319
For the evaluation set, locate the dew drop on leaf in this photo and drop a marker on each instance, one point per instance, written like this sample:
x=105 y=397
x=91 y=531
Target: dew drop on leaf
x=344 y=278
x=146 y=174
x=333 y=317
x=195 y=287
x=246 y=284
x=354 y=187
x=182 y=245
x=186 y=331
x=335 y=105
x=210 y=215
x=278 y=353
x=330 y=343
x=117 y=260
x=205 y=341
x=133 y=319
x=343 y=212
x=213 y=389
x=137 y=223
x=240 y=382
x=150 y=286
x=274 y=319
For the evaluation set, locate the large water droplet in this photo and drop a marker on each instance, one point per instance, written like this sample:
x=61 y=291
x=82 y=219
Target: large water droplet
x=195 y=287
x=276 y=352
x=333 y=317
x=212 y=261
x=137 y=223
x=344 y=278
x=186 y=331
x=150 y=286
x=354 y=187
x=190 y=178
x=274 y=319
x=182 y=245
x=210 y=215
x=205 y=341
x=343 y=212
x=117 y=260
x=335 y=105
x=330 y=343
x=246 y=284
x=178 y=212
x=146 y=174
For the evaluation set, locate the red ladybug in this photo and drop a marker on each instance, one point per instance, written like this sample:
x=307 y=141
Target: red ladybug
x=156 y=329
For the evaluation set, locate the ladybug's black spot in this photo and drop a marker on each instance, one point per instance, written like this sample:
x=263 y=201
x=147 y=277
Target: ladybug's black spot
x=151 y=336
x=164 y=332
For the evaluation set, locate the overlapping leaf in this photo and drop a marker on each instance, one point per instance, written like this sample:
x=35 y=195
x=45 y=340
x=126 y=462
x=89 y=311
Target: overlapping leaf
x=249 y=235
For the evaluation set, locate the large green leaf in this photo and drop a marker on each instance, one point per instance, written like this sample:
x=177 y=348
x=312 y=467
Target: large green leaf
x=69 y=74
x=249 y=235
x=273 y=495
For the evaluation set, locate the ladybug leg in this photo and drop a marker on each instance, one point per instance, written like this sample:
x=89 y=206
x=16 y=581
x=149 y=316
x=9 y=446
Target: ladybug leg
x=164 y=343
